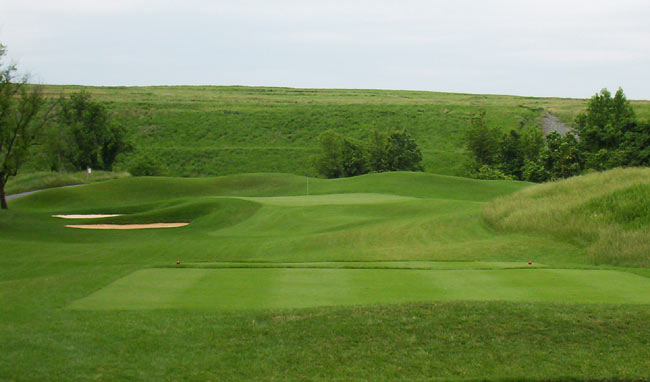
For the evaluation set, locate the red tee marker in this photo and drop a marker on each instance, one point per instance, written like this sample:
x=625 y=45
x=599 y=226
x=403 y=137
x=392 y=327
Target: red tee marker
x=530 y=263
x=178 y=262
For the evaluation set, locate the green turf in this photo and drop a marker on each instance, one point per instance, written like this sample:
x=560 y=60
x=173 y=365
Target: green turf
x=366 y=247
x=367 y=265
x=245 y=289
x=330 y=199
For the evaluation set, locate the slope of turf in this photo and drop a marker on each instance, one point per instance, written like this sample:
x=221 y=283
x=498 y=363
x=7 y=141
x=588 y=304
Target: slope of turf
x=44 y=179
x=215 y=130
x=610 y=211
x=261 y=235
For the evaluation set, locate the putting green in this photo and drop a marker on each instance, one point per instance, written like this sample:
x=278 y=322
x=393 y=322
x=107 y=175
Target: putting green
x=280 y=288
x=328 y=199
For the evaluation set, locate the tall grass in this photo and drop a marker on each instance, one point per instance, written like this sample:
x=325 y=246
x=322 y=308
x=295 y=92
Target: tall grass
x=609 y=212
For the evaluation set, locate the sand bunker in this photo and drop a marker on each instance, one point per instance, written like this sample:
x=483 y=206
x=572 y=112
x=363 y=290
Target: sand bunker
x=92 y=216
x=127 y=226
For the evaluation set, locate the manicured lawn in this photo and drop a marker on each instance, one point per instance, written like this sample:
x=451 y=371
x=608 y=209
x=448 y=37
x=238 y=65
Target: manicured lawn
x=277 y=288
x=381 y=277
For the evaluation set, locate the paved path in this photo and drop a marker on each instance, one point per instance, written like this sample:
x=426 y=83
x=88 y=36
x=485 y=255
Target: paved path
x=14 y=196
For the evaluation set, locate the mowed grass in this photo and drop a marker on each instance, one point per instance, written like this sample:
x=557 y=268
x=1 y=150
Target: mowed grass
x=259 y=288
x=381 y=277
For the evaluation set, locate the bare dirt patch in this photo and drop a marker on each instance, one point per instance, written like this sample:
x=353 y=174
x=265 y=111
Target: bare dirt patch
x=127 y=226
x=552 y=123
x=91 y=216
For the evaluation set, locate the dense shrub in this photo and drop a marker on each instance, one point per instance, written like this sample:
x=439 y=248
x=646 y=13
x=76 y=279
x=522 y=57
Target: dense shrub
x=83 y=136
x=342 y=156
x=145 y=165
x=607 y=136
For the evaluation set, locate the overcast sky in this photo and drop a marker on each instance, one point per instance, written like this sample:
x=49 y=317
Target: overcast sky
x=540 y=48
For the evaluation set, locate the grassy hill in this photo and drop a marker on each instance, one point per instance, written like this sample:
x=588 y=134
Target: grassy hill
x=390 y=276
x=609 y=211
x=215 y=130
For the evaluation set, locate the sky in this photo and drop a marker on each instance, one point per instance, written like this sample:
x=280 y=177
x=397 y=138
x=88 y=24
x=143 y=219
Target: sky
x=533 y=48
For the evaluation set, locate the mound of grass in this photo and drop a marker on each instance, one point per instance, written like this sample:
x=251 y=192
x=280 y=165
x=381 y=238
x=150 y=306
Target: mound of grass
x=136 y=191
x=629 y=207
x=42 y=180
x=608 y=211
x=215 y=213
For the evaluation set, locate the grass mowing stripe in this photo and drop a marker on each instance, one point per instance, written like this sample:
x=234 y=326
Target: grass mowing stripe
x=145 y=289
x=244 y=289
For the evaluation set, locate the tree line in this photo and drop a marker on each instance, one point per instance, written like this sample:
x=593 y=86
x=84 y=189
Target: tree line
x=343 y=156
x=605 y=136
x=74 y=132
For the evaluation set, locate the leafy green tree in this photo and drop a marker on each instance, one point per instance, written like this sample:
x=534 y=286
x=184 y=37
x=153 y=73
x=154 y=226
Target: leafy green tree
x=602 y=128
x=84 y=136
x=354 y=158
x=635 y=149
x=561 y=157
x=493 y=173
x=512 y=155
x=22 y=117
x=378 y=152
x=482 y=143
x=534 y=171
x=329 y=162
x=402 y=153
x=343 y=156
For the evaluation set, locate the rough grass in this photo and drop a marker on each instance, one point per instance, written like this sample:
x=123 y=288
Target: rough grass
x=216 y=130
x=608 y=211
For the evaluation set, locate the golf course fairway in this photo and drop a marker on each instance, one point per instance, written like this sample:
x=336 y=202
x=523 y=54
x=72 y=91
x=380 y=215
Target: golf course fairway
x=388 y=277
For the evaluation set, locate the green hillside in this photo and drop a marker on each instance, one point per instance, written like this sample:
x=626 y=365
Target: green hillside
x=214 y=130
x=391 y=276
x=608 y=211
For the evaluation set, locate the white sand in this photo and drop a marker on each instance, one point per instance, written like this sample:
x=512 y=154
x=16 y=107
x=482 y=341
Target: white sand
x=95 y=216
x=127 y=226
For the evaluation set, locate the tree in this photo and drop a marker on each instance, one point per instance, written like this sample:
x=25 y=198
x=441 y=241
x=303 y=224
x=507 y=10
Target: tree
x=512 y=155
x=602 y=128
x=354 y=158
x=561 y=156
x=329 y=162
x=84 y=135
x=378 y=152
x=482 y=143
x=402 y=153
x=22 y=117
x=343 y=156
x=635 y=149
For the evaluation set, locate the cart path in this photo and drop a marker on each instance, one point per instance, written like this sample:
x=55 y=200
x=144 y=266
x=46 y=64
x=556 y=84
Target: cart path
x=14 y=196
